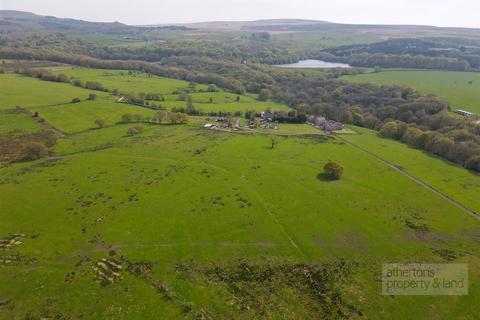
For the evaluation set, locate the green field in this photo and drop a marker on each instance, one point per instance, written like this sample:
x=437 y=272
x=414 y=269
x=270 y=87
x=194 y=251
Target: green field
x=461 y=89
x=74 y=117
x=125 y=82
x=447 y=177
x=223 y=101
x=52 y=101
x=27 y=92
x=145 y=199
x=201 y=224
x=11 y=120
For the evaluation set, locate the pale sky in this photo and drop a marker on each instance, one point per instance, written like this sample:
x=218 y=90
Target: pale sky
x=447 y=13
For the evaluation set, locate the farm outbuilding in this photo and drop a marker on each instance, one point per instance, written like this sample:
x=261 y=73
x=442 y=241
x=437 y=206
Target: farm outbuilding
x=464 y=113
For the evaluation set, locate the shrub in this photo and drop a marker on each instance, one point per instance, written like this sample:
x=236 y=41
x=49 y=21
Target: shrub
x=94 y=85
x=76 y=100
x=78 y=83
x=100 y=123
x=332 y=171
x=134 y=130
x=127 y=117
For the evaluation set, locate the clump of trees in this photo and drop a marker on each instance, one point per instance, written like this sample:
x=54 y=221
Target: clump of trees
x=161 y=117
x=44 y=75
x=132 y=131
x=48 y=76
x=95 y=85
x=460 y=145
x=136 y=117
x=20 y=145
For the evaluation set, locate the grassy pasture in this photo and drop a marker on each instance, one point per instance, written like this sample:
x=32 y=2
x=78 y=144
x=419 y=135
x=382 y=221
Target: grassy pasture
x=16 y=90
x=11 y=120
x=223 y=101
x=461 y=89
x=81 y=116
x=447 y=177
x=124 y=82
x=177 y=200
x=325 y=39
x=179 y=194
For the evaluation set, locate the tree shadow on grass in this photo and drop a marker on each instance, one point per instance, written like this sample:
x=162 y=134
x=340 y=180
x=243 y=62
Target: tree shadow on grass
x=324 y=177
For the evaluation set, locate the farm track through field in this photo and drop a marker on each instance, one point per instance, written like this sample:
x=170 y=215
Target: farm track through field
x=415 y=179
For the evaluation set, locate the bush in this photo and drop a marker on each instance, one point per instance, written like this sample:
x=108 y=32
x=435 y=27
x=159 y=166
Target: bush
x=94 y=85
x=127 y=117
x=100 y=123
x=332 y=171
x=134 y=130
x=78 y=83
x=76 y=100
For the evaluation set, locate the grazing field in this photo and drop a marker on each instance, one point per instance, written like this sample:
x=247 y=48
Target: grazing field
x=74 y=117
x=224 y=102
x=126 y=81
x=445 y=176
x=27 y=92
x=166 y=224
x=11 y=120
x=461 y=89
x=182 y=222
x=53 y=101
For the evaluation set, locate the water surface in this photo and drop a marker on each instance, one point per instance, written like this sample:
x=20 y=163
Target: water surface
x=311 y=63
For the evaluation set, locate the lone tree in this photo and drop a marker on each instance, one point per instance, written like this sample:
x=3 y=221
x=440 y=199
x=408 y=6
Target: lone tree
x=134 y=130
x=127 y=117
x=274 y=142
x=100 y=123
x=34 y=150
x=332 y=170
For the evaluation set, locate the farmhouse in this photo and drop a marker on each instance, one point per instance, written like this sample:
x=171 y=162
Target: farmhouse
x=326 y=125
x=209 y=126
x=266 y=116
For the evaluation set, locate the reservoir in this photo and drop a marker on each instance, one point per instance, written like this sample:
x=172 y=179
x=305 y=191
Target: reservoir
x=311 y=63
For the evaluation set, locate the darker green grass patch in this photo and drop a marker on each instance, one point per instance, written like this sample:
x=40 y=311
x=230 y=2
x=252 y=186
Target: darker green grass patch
x=265 y=290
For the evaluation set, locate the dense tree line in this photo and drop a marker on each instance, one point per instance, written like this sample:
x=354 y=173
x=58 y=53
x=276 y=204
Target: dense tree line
x=429 y=53
x=397 y=112
x=407 y=61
